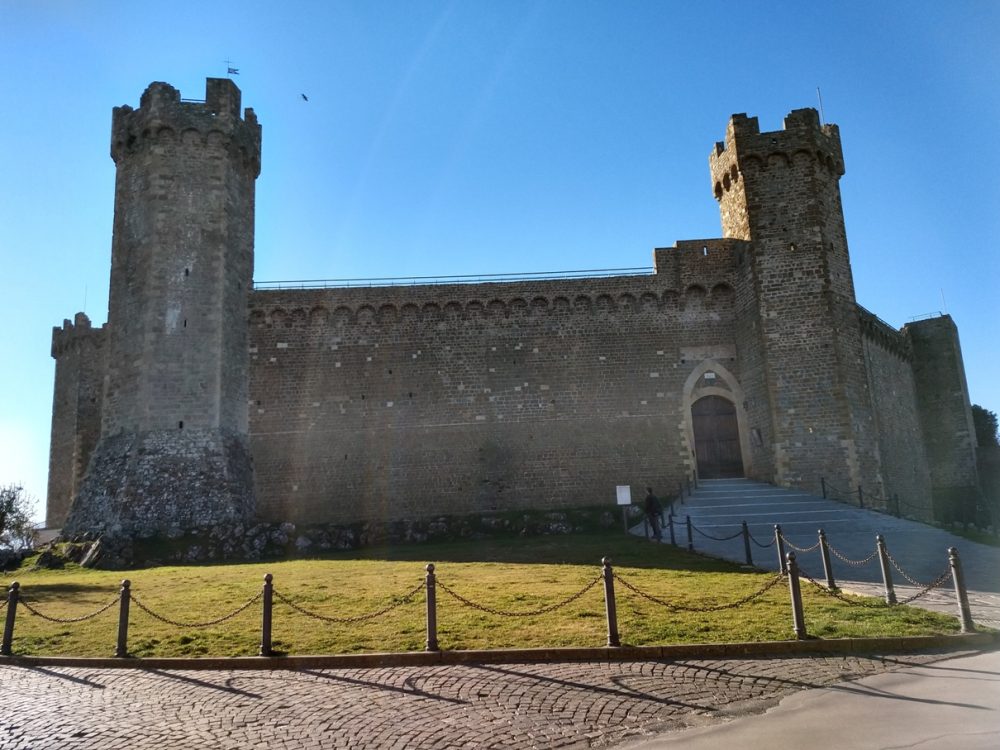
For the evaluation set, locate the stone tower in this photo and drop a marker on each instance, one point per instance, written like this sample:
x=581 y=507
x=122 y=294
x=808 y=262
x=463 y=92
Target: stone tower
x=173 y=451
x=780 y=190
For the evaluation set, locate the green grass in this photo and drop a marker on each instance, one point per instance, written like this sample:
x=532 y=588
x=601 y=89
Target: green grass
x=519 y=573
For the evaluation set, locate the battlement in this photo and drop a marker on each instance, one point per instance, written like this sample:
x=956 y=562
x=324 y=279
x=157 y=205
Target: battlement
x=164 y=117
x=74 y=332
x=802 y=135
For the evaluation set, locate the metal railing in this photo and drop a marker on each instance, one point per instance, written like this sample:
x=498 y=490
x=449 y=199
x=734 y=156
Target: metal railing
x=482 y=278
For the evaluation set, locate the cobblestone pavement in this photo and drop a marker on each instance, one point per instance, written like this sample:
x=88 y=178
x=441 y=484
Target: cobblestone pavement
x=576 y=705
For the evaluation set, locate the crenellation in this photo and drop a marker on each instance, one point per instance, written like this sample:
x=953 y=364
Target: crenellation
x=204 y=400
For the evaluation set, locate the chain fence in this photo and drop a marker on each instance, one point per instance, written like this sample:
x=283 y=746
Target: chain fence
x=761 y=545
x=707 y=608
x=858 y=601
x=508 y=613
x=717 y=538
x=800 y=550
x=855 y=563
x=67 y=620
x=207 y=624
x=401 y=601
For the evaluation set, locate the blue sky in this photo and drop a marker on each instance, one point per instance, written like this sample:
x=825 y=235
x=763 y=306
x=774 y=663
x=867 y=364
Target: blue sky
x=489 y=137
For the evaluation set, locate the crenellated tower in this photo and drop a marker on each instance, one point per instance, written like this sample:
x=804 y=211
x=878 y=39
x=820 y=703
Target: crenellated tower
x=174 y=450
x=780 y=191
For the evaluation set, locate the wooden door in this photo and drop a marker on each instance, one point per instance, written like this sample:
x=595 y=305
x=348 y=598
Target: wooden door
x=716 y=438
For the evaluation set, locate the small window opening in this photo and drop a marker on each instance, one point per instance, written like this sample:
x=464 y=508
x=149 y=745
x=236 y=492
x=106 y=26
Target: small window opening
x=180 y=425
x=791 y=247
x=185 y=323
x=187 y=271
x=704 y=250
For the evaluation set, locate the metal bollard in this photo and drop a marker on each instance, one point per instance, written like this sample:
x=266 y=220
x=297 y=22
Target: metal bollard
x=827 y=567
x=964 y=613
x=779 y=542
x=822 y=484
x=8 y=627
x=432 y=623
x=609 y=602
x=861 y=497
x=798 y=620
x=690 y=535
x=267 y=602
x=746 y=544
x=670 y=521
x=883 y=558
x=124 y=599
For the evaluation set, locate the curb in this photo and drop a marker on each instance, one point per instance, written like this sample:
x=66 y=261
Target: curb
x=978 y=641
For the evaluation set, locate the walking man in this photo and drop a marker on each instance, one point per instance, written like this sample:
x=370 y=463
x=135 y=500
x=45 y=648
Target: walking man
x=654 y=513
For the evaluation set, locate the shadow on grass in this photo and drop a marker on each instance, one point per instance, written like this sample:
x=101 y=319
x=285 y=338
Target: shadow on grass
x=570 y=549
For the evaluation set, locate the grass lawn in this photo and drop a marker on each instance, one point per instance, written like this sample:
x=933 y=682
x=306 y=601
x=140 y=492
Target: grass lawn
x=514 y=573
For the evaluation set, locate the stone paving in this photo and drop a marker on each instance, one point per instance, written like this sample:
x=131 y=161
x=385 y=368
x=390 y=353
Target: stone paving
x=574 y=705
x=718 y=507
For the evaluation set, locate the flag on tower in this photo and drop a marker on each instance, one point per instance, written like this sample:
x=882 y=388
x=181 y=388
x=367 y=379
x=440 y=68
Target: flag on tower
x=234 y=71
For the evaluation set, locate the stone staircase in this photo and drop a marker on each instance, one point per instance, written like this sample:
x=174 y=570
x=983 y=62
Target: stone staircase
x=718 y=507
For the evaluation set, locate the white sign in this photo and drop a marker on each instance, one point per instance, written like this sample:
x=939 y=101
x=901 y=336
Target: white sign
x=624 y=493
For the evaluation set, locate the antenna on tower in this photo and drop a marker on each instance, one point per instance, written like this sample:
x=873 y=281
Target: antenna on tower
x=819 y=96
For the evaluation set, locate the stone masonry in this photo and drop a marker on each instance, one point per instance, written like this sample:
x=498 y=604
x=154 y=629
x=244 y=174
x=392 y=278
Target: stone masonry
x=214 y=402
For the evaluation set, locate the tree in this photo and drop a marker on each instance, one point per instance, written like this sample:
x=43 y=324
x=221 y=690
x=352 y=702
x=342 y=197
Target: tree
x=985 y=422
x=16 y=529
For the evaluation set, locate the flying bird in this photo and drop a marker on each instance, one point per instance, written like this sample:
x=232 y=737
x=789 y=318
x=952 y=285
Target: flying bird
x=305 y=98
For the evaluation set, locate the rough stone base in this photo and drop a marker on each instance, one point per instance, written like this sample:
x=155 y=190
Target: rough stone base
x=162 y=483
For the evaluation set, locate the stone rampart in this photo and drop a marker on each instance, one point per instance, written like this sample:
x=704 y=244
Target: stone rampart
x=402 y=402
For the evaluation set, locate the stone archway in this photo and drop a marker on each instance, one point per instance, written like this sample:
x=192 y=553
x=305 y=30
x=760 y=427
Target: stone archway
x=711 y=378
x=716 y=438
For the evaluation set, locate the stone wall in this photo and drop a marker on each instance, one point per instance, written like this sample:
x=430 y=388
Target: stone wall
x=888 y=362
x=405 y=402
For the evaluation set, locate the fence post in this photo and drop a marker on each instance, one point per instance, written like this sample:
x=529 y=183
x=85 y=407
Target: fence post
x=964 y=613
x=670 y=521
x=798 y=620
x=883 y=558
x=8 y=627
x=824 y=549
x=694 y=476
x=690 y=535
x=432 y=622
x=609 y=602
x=267 y=600
x=822 y=484
x=687 y=487
x=779 y=542
x=861 y=497
x=124 y=599
x=746 y=544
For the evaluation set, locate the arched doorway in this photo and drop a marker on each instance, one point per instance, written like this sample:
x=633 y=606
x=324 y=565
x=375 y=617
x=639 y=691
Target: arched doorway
x=716 y=438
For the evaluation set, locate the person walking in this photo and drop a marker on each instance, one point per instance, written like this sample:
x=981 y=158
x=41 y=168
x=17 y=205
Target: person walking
x=654 y=514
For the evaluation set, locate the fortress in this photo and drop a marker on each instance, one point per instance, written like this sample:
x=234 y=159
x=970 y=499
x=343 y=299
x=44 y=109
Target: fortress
x=206 y=401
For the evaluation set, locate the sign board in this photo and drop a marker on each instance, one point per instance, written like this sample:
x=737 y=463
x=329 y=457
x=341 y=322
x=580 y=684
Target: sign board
x=624 y=493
